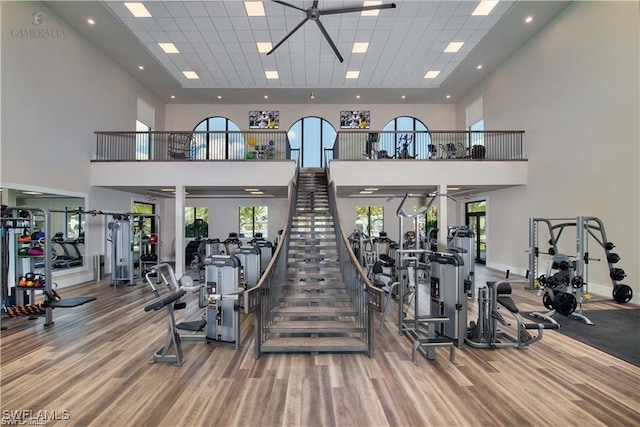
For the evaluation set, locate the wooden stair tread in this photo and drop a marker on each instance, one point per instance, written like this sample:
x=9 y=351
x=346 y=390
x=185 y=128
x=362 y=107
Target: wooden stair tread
x=314 y=310
x=311 y=327
x=305 y=297
x=308 y=344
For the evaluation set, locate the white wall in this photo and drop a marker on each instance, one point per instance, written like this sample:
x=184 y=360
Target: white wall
x=574 y=89
x=186 y=117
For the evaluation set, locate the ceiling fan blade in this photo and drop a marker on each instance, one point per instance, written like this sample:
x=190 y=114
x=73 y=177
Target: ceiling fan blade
x=326 y=36
x=284 y=3
x=357 y=9
x=288 y=35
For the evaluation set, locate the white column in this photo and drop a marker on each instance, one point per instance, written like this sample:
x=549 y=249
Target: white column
x=442 y=204
x=180 y=239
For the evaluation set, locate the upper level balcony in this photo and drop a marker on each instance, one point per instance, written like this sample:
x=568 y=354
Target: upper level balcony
x=269 y=158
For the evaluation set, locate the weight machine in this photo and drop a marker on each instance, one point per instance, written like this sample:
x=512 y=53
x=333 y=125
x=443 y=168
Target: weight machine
x=425 y=331
x=461 y=241
x=485 y=333
x=578 y=266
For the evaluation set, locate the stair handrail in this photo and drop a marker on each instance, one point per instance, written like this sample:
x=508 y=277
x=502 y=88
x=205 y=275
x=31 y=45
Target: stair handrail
x=262 y=298
x=370 y=295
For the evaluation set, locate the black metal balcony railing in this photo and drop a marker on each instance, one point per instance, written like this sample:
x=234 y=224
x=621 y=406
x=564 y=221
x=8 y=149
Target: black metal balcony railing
x=231 y=145
x=493 y=145
x=348 y=145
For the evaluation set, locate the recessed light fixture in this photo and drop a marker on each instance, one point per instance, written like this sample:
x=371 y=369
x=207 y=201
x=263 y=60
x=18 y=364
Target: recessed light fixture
x=91 y=21
x=266 y=97
x=431 y=74
x=366 y=192
x=479 y=67
x=370 y=189
x=403 y=96
x=251 y=189
x=312 y=96
x=190 y=75
x=271 y=74
x=360 y=47
x=453 y=47
x=453 y=188
x=32 y=193
x=256 y=192
x=254 y=8
x=173 y=97
x=528 y=19
x=138 y=10
x=140 y=67
x=169 y=47
x=167 y=189
x=264 y=47
x=484 y=8
x=374 y=12
x=219 y=96
x=352 y=74
x=448 y=96
x=358 y=96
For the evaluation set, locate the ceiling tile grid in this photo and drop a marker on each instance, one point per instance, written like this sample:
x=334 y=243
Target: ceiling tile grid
x=217 y=40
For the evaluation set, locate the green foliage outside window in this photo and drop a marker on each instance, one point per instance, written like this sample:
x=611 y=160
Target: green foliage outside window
x=196 y=222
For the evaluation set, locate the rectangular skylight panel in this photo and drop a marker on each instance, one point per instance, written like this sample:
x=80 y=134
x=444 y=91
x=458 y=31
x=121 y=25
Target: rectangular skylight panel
x=371 y=12
x=138 y=10
x=254 y=8
x=453 y=47
x=484 y=8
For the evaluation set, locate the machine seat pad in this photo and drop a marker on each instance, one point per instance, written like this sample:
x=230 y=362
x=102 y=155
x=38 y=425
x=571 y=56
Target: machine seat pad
x=544 y=325
x=195 y=326
x=508 y=303
x=387 y=261
x=504 y=289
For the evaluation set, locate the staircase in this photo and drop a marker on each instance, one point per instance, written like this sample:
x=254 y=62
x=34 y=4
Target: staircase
x=315 y=311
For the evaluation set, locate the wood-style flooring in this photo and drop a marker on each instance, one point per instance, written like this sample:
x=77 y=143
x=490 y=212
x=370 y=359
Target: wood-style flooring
x=93 y=367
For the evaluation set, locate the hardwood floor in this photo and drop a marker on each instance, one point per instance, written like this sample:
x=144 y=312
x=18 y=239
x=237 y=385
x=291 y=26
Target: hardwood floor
x=94 y=363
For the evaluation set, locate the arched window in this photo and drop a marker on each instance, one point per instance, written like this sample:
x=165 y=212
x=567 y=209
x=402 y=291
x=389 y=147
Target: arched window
x=311 y=135
x=218 y=138
x=411 y=135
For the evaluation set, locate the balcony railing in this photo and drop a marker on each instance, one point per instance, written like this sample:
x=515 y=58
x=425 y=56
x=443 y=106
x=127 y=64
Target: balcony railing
x=492 y=145
x=231 y=145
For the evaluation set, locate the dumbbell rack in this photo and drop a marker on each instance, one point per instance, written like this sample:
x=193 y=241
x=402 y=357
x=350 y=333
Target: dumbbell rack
x=17 y=265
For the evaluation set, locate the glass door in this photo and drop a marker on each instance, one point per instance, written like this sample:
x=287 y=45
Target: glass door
x=476 y=220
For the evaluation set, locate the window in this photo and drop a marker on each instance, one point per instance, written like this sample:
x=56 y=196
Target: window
x=253 y=219
x=477 y=138
x=429 y=221
x=196 y=222
x=74 y=223
x=142 y=141
x=411 y=138
x=218 y=138
x=311 y=135
x=144 y=209
x=370 y=219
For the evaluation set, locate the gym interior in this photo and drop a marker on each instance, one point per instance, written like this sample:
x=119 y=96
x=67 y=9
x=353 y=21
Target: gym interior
x=458 y=251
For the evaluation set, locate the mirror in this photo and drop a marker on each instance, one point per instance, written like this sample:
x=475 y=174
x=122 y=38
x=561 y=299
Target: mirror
x=67 y=223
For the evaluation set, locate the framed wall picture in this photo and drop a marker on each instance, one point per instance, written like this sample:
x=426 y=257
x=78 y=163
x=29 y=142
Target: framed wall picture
x=264 y=119
x=355 y=119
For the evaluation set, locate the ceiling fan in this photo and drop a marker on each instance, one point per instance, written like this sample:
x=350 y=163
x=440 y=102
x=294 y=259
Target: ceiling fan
x=313 y=13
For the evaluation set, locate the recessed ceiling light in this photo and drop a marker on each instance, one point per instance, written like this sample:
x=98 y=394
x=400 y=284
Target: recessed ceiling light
x=256 y=192
x=167 y=189
x=173 y=97
x=370 y=189
x=219 y=96
x=138 y=10
x=91 y=21
x=366 y=192
x=484 y=8
x=32 y=193
x=453 y=47
x=169 y=47
x=453 y=188
x=448 y=96
x=360 y=47
x=140 y=67
x=271 y=74
x=374 y=12
x=352 y=74
x=403 y=96
x=479 y=67
x=254 y=8
x=264 y=47
x=358 y=96
x=266 y=97
x=431 y=74
x=190 y=74
x=528 y=19
x=251 y=189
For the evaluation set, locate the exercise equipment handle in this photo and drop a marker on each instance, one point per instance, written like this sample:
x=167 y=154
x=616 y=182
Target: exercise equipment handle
x=164 y=301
